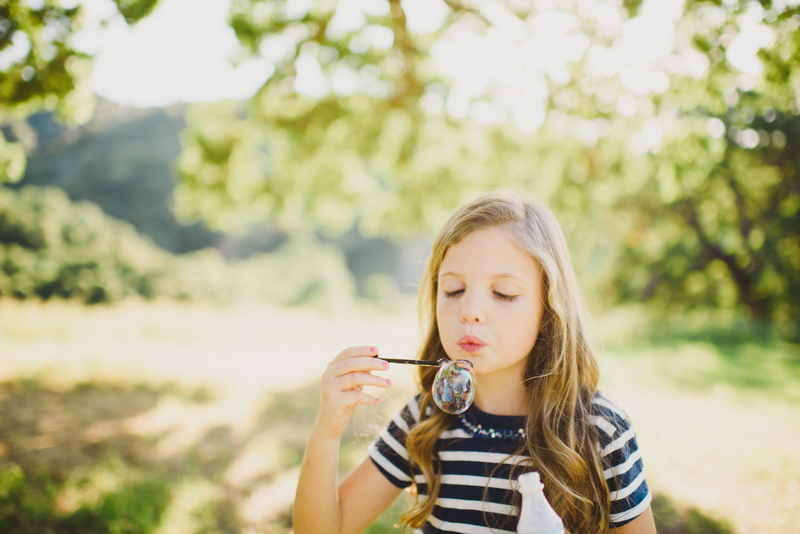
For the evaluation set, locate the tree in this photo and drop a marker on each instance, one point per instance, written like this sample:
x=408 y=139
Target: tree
x=716 y=223
x=678 y=185
x=41 y=68
x=340 y=131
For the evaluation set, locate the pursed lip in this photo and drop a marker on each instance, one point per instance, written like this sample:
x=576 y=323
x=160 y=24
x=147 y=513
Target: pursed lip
x=471 y=343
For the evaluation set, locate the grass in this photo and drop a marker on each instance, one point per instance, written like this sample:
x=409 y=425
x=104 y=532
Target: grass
x=748 y=362
x=169 y=418
x=743 y=358
x=110 y=497
x=671 y=519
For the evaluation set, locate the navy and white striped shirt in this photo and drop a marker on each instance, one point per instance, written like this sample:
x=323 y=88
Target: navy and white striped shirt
x=465 y=504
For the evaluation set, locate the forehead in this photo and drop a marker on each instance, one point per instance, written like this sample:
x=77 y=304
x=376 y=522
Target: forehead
x=488 y=252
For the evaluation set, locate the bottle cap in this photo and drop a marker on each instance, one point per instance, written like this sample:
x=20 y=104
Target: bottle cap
x=528 y=482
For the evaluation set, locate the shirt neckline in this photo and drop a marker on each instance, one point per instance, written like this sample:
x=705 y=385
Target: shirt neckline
x=497 y=422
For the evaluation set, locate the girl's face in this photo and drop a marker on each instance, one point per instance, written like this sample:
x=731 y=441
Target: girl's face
x=490 y=303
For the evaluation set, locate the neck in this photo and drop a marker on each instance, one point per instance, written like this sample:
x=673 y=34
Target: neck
x=502 y=394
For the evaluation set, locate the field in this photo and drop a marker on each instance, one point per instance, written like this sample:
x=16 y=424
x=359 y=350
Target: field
x=169 y=418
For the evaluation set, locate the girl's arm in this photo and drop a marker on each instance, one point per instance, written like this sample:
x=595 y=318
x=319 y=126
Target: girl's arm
x=320 y=507
x=644 y=524
x=364 y=495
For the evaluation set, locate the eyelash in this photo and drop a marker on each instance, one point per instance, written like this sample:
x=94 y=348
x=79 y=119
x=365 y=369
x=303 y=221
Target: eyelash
x=501 y=296
x=507 y=298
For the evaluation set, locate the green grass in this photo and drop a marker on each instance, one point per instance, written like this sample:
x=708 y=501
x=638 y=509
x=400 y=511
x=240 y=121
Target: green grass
x=671 y=519
x=111 y=498
x=746 y=359
x=764 y=369
x=180 y=420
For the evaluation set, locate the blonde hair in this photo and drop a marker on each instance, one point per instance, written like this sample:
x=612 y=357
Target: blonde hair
x=561 y=372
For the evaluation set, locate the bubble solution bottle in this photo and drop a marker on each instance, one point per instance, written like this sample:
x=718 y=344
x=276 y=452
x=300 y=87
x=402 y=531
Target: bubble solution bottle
x=536 y=516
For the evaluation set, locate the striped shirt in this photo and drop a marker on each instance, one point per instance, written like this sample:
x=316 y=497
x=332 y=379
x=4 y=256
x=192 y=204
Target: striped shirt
x=472 y=500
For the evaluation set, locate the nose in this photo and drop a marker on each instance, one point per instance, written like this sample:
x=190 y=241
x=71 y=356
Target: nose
x=472 y=309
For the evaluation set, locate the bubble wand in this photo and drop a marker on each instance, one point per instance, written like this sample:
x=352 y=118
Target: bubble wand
x=429 y=363
x=453 y=388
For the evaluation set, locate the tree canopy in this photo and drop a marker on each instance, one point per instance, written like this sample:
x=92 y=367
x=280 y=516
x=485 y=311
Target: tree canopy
x=41 y=68
x=673 y=165
x=675 y=175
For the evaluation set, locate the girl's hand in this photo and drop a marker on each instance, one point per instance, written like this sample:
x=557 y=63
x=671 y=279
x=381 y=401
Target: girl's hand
x=342 y=385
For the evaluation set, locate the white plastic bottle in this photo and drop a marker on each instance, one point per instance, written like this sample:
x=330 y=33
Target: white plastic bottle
x=536 y=516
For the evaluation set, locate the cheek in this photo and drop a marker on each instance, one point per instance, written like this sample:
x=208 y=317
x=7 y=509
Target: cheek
x=445 y=320
x=519 y=337
x=444 y=308
x=523 y=328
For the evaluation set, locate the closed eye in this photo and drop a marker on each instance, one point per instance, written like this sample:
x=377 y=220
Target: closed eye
x=451 y=294
x=502 y=296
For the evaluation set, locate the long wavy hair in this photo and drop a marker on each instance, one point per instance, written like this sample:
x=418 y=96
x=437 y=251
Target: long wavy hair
x=561 y=371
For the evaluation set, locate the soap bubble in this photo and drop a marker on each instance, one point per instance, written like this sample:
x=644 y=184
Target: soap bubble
x=454 y=386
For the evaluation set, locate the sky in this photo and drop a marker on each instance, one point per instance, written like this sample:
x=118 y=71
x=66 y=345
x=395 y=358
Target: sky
x=182 y=53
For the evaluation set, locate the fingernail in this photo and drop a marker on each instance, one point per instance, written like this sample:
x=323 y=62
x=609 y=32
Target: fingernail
x=385 y=364
x=376 y=400
x=388 y=382
x=373 y=350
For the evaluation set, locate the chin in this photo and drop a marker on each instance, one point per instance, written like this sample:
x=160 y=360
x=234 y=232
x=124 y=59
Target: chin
x=477 y=368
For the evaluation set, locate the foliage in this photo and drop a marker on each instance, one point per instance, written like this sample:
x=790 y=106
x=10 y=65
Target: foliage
x=676 y=181
x=363 y=149
x=121 y=160
x=28 y=505
x=23 y=507
x=42 y=68
x=301 y=271
x=671 y=520
x=51 y=247
x=677 y=184
x=716 y=222
x=12 y=159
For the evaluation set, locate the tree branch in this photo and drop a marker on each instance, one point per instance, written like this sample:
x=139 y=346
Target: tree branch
x=739 y=276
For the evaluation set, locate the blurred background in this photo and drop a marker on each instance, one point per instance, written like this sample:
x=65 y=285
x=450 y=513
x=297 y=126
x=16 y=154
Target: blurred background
x=202 y=203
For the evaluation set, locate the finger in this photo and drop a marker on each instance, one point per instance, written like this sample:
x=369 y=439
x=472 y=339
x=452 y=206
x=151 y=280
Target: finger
x=356 y=364
x=354 y=380
x=350 y=398
x=350 y=380
x=361 y=350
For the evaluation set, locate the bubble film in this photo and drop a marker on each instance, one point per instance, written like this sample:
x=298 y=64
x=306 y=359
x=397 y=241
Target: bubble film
x=454 y=386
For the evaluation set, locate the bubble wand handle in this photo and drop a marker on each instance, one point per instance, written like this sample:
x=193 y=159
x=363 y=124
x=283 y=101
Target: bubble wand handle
x=411 y=362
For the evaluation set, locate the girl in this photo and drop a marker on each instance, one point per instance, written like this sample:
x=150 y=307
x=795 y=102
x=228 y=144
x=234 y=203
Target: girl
x=500 y=292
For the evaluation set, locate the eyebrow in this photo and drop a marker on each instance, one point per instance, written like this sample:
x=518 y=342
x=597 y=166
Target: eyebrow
x=494 y=277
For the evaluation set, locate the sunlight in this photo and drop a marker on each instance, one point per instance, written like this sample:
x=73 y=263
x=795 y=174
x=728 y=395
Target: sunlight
x=179 y=54
x=183 y=52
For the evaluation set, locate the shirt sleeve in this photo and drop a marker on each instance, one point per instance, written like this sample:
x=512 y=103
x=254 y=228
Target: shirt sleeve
x=388 y=452
x=622 y=462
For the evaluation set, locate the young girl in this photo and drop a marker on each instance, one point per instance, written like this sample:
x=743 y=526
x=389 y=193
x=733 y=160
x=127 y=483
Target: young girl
x=500 y=292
